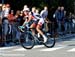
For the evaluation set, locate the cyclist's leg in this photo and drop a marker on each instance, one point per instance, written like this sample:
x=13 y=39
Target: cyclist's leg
x=33 y=25
x=38 y=28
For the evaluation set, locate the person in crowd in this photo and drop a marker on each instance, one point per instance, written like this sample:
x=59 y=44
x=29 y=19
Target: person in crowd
x=17 y=17
x=1 y=25
x=70 y=22
x=66 y=21
x=1 y=11
x=56 y=15
x=63 y=15
x=11 y=16
x=5 y=10
x=0 y=14
x=22 y=18
x=25 y=18
x=37 y=12
x=44 y=13
x=53 y=22
x=17 y=23
x=73 y=24
x=5 y=22
x=59 y=15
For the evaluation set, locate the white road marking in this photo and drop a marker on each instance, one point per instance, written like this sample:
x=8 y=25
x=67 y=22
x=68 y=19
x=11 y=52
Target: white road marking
x=19 y=49
x=38 y=46
x=4 y=48
x=52 y=49
x=22 y=49
x=9 y=55
x=71 y=50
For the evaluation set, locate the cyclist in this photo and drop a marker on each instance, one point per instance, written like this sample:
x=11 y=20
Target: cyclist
x=43 y=15
x=26 y=15
x=34 y=15
x=38 y=24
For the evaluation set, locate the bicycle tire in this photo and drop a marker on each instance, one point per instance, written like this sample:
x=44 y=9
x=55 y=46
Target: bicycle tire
x=24 y=42
x=50 y=42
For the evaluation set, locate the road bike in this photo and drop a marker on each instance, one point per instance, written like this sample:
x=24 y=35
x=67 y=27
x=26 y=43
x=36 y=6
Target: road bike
x=27 y=40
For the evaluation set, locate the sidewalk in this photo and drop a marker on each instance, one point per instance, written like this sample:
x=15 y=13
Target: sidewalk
x=66 y=37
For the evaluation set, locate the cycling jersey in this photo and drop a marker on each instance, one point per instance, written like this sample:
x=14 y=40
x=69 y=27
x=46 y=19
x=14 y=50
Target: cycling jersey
x=35 y=18
x=38 y=19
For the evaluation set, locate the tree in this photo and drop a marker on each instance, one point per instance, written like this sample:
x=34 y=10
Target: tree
x=18 y=4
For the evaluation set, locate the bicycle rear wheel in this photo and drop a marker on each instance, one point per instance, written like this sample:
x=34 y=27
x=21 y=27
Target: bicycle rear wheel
x=50 y=42
x=27 y=40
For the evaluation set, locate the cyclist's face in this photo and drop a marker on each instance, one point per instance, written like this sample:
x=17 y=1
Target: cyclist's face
x=26 y=12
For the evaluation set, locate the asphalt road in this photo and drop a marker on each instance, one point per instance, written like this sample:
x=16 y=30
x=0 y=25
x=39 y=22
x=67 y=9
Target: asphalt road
x=64 y=47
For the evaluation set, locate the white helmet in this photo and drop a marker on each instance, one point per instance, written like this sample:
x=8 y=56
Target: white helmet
x=26 y=9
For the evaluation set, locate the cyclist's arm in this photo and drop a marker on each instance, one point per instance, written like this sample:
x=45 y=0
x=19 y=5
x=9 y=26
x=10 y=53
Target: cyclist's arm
x=30 y=18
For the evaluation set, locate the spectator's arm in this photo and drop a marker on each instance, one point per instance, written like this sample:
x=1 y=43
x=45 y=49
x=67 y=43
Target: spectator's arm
x=41 y=13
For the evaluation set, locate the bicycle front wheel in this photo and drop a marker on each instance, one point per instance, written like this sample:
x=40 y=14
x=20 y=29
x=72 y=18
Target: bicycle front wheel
x=50 y=42
x=27 y=40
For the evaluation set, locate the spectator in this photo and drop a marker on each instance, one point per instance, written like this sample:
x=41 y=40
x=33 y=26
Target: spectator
x=44 y=13
x=1 y=33
x=17 y=17
x=0 y=24
x=59 y=14
x=73 y=24
x=5 y=12
x=53 y=25
x=70 y=22
x=17 y=23
x=63 y=13
x=1 y=11
x=11 y=16
x=21 y=16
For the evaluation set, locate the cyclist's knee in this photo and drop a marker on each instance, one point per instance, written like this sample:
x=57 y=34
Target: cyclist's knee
x=38 y=27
